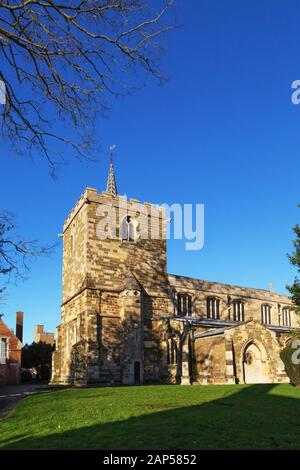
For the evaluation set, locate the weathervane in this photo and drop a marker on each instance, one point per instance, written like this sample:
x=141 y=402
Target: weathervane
x=111 y=151
x=270 y=286
x=111 y=186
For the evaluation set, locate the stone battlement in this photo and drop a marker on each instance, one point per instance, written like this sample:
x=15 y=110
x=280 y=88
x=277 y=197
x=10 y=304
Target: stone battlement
x=90 y=195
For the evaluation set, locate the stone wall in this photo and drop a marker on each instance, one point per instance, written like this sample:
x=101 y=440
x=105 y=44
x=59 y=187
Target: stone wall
x=210 y=360
x=109 y=260
x=119 y=303
x=220 y=357
x=42 y=336
x=266 y=341
x=253 y=299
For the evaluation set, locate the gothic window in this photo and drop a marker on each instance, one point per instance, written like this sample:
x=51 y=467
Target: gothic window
x=213 y=308
x=172 y=351
x=184 y=305
x=238 y=310
x=3 y=350
x=266 y=314
x=286 y=317
x=127 y=229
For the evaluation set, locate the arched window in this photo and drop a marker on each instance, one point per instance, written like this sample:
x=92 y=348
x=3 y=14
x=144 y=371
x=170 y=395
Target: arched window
x=172 y=351
x=266 y=314
x=213 y=308
x=238 y=310
x=286 y=316
x=184 y=305
x=127 y=229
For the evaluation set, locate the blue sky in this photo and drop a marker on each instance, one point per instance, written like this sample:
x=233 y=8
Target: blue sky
x=222 y=132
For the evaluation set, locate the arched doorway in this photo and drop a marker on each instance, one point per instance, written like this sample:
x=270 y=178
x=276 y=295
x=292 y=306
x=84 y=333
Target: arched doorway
x=253 y=365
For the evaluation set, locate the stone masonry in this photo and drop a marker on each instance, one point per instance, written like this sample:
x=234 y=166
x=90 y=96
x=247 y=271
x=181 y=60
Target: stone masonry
x=124 y=319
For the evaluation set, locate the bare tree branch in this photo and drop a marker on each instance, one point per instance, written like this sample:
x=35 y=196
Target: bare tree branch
x=16 y=253
x=68 y=59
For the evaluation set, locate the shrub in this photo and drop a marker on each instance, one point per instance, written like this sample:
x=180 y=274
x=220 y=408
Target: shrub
x=292 y=370
x=43 y=372
x=26 y=375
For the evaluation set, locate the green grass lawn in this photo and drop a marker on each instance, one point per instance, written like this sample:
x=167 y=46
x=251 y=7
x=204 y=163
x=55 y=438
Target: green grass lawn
x=157 y=417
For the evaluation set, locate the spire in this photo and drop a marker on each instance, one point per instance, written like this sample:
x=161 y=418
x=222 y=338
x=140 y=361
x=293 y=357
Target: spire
x=111 y=186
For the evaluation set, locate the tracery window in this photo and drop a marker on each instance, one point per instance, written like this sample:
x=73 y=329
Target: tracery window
x=266 y=317
x=238 y=310
x=286 y=317
x=127 y=229
x=172 y=351
x=184 y=305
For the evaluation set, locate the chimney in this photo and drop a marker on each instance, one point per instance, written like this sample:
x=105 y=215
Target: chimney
x=19 y=326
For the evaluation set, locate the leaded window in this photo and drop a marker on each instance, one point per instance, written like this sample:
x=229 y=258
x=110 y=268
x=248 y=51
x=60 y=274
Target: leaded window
x=266 y=316
x=184 y=305
x=238 y=311
x=213 y=308
x=286 y=317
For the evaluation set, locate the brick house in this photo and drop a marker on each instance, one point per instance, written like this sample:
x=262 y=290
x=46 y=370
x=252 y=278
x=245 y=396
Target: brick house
x=10 y=352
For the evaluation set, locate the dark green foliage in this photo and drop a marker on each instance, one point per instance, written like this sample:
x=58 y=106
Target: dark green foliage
x=292 y=370
x=26 y=376
x=295 y=293
x=36 y=355
x=44 y=372
x=295 y=261
x=39 y=357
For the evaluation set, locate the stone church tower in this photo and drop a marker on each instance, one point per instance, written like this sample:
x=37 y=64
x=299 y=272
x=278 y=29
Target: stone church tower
x=112 y=285
x=124 y=319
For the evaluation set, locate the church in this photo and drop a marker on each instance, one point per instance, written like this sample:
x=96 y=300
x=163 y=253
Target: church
x=126 y=320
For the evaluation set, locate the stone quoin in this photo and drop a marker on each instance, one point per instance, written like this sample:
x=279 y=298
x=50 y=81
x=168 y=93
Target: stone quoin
x=125 y=320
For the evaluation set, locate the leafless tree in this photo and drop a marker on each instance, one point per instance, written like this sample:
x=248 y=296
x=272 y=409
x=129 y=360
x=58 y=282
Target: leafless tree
x=64 y=59
x=16 y=253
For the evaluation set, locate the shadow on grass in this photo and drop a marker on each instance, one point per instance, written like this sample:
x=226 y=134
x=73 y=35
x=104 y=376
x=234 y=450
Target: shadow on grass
x=251 y=418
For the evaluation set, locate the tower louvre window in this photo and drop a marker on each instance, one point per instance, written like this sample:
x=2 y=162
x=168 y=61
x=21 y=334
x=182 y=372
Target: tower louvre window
x=266 y=317
x=127 y=229
x=213 y=308
x=184 y=305
x=238 y=310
